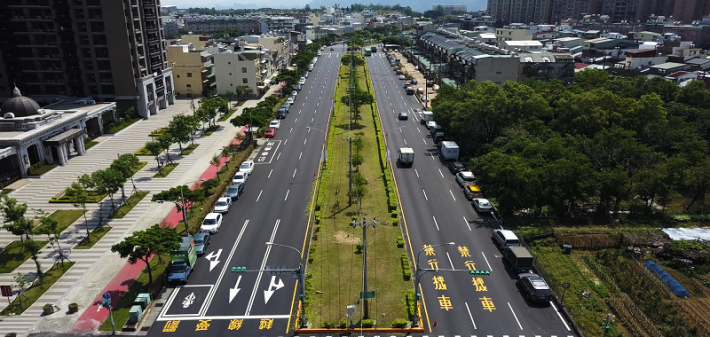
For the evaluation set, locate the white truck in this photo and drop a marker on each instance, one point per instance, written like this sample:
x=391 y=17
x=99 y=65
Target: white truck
x=406 y=156
x=449 y=150
x=425 y=116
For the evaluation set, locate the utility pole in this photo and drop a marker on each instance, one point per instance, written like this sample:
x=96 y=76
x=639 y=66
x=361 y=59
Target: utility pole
x=365 y=296
x=350 y=190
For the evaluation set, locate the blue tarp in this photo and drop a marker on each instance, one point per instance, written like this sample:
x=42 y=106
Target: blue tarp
x=667 y=279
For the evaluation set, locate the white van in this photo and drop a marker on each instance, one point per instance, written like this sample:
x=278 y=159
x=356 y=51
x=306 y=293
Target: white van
x=505 y=238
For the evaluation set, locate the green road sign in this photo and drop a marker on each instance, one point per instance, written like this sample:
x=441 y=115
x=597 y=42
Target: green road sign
x=367 y=294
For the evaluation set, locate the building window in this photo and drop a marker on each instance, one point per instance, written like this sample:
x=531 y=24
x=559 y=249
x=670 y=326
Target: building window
x=188 y=85
x=244 y=70
x=229 y=62
x=498 y=72
x=230 y=74
x=245 y=80
x=189 y=74
x=178 y=76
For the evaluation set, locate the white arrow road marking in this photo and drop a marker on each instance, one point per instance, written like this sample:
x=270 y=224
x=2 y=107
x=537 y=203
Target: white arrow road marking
x=272 y=288
x=234 y=291
x=261 y=269
x=216 y=261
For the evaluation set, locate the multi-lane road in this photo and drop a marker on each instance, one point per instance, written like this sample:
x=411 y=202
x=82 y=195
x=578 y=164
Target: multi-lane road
x=436 y=212
x=271 y=209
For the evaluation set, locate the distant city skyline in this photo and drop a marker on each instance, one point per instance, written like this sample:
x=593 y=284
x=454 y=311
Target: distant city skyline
x=223 y=4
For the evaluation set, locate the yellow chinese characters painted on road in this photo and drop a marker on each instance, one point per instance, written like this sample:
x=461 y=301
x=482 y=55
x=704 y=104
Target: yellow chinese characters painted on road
x=266 y=323
x=203 y=325
x=464 y=251
x=480 y=285
x=235 y=324
x=439 y=283
x=445 y=303
x=470 y=265
x=487 y=304
x=433 y=264
x=429 y=250
x=171 y=326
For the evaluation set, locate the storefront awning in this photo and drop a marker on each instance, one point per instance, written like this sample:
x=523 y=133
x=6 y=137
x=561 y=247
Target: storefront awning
x=65 y=137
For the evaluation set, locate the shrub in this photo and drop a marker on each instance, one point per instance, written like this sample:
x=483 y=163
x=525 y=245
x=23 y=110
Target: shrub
x=406 y=272
x=209 y=186
x=343 y=324
x=399 y=323
x=317 y=207
x=367 y=323
x=358 y=248
x=400 y=241
x=394 y=214
x=395 y=222
x=317 y=229
x=328 y=324
x=411 y=303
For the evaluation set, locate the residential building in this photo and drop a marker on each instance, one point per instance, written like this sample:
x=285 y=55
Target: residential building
x=452 y=9
x=508 y=11
x=699 y=64
x=250 y=69
x=665 y=69
x=545 y=67
x=108 y=50
x=278 y=46
x=687 y=11
x=216 y=23
x=193 y=70
x=642 y=59
x=648 y=36
x=30 y=134
x=512 y=34
x=270 y=24
x=198 y=42
x=518 y=46
x=170 y=27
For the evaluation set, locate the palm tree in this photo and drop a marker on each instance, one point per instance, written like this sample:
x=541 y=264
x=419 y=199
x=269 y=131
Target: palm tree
x=215 y=162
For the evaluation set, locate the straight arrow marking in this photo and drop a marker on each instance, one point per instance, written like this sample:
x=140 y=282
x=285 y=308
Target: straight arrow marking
x=216 y=261
x=234 y=291
x=273 y=286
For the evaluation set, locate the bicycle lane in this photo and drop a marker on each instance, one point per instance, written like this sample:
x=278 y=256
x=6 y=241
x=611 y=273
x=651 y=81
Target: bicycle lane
x=118 y=286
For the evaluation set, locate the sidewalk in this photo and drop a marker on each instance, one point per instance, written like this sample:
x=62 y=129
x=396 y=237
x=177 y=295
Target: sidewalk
x=96 y=267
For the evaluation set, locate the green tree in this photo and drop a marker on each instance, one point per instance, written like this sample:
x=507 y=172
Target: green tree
x=695 y=94
x=165 y=140
x=34 y=249
x=183 y=198
x=79 y=197
x=216 y=161
x=23 y=282
x=141 y=245
x=180 y=129
x=508 y=179
x=589 y=79
x=113 y=181
x=155 y=148
x=14 y=218
x=49 y=227
x=125 y=164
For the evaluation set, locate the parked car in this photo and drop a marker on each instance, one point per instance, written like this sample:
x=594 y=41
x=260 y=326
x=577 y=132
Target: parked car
x=211 y=223
x=202 y=240
x=319 y=54
x=270 y=133
x=291 y=99
x=403 y=116
x=414 y=81
x=240 y=177
x=401 y=77
x=294 y=93
x=534 y=287
x=504 y=238
x=287 y=106
x=275 y=124
x=302 y=81
x=464 y=178
x=472 y=191
x=482 y=205
x=281 y=114
x=247 y=166
x=234 y=191
x=298 y=87
x=222 y=206
x=331 y=49
x=455 y=167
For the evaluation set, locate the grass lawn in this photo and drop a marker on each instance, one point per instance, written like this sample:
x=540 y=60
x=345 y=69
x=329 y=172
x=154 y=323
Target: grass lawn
x=143 y=152
x=122 y=126
x=93 y=197
x=141 y=285
x=38 y=171
x=226 y=116
x=64 y=218
x=166 y=170
x=130 y=203
x=158 y=132
x=92 y=239
x=33 y=293
x=13 y=255
x=186 y=151
x=139 y=166
x=210 y=131
x=335 y=265
x=88 y=143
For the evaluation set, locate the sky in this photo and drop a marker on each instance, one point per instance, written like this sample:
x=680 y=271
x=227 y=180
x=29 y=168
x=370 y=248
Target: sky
x=227 y=3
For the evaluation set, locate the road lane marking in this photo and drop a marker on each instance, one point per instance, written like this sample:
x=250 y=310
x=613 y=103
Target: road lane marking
x=257 y=198
x=286 y=142
x=261 y=269
x=299 y=112
x=405 y=142
x=484 y=257
x=295 y=120
x=470 y=316
x=294 y=172
x=560 y=315
x=425 y=195
x=279 y=156
x=415 y=171
x=304 y=141
x=315 y=112
x=312 y=120
x=299 y=156
x=435 y=223
x=514 y=315
x=424 y=141
x=449 y=256
x=442 y=175
x=286 y=198
x=289 y=131
x=270 y=172
x=420 y=131
x=466 y=221
x=210 y=296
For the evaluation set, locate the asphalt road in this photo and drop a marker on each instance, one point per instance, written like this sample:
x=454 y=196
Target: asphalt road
x=272 y=209
x=436 y=212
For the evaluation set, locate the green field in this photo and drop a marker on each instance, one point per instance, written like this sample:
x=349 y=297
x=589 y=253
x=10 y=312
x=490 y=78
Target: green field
x=335 y=262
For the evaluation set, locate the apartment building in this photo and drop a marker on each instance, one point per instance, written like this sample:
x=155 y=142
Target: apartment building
x=111 y=51
x=276 y=23
x=512 y=34
x=193 y=70
x=527 y=11
x=250 y=69
x=216 y=23
x=452 y=9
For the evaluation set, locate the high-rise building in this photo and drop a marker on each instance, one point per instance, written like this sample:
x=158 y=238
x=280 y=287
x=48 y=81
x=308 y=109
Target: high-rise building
x=688 y=11
x=110 y=50
x=452 y=9
x=521 y=11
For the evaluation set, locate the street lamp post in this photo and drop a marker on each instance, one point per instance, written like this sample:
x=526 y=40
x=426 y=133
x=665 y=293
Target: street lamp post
x=419 y=274
x=364 y=224
x=301 y=279
x=392 y=129
x=182 y=200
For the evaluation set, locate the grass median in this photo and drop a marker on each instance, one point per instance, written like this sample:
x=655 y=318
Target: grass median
x=335 y=259
x=33 y=293
x=64 y=219
x=129 y=204
x=166 y=170
x=90 y=240
x=14 y=254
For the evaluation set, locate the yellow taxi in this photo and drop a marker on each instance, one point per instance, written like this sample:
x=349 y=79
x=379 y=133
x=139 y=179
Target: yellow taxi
x=472 y=191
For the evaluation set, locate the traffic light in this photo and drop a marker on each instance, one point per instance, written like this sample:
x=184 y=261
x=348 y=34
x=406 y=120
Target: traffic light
x=419 y=296
x=480 y=272
x=238 y=269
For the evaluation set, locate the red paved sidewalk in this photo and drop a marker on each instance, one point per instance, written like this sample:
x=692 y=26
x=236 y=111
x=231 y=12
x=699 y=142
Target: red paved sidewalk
x=94 y=315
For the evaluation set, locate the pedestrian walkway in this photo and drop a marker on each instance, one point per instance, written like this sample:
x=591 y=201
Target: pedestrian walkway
x=97 y=266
